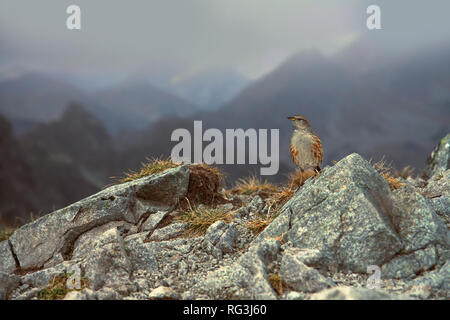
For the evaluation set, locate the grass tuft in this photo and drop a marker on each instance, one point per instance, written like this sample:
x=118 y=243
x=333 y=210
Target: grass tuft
x=254 y=185
x=152 y=166
x=260 y=223
x=385 y=170
x=200 y=218
x=6 y=233
x=277 y=283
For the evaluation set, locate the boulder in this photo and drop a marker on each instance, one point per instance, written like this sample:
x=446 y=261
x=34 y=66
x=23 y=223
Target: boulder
x=345 y=214
x=54 y=234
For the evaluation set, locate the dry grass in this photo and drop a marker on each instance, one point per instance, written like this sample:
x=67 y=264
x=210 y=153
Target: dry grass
x=277 y=282
x=385 y=170
x=259 y=224
x=152 y=166
x=6 y=233
x=405 y=173
x=254 y=185
x=200 y=218
x=57 y=287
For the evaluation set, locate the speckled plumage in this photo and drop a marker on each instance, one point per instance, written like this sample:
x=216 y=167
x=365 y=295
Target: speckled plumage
x=305 y=147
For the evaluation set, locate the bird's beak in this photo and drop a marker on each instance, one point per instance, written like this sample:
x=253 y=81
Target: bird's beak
x=290 y=118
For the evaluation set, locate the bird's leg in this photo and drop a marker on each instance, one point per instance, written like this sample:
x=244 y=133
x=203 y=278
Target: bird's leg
x=316 y=172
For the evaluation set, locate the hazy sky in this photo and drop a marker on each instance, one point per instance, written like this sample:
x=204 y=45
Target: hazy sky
x=250 y=36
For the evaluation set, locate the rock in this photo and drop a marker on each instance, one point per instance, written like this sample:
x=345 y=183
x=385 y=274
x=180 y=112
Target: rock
x=163 y=293
x=441 y=206
x=85 y=242
x=436 y=279
x=256 y=205
x=8 y=283
x=416 y=222
x=42 y=278
x=299 y=277
x=438 y=185
x=345 y=214
x=75 y=295
x=107 y=294
x=141 y=255
x=311 y=257
x=439 y=159
x=220 y=238
x=37 y=242
x=172 y=231
x=420 y=292
x=293 y=295
x=246 y=278
x=107 y=263
x=153 y=220
x=408 y=265
x=7 y=262
x=351 y=293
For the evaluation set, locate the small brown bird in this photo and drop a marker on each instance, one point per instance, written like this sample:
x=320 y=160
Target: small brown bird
x=306 y=147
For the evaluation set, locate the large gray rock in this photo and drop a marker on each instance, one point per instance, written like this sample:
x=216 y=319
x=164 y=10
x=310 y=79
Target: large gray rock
x=53 y=235
x=345 y=213
x=7 y=262
x=416 y=222
x=439 y=159
x=300 y=277
x=351 y=293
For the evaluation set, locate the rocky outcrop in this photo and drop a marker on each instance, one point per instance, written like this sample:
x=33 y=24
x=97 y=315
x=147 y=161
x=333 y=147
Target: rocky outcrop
x=439 y=160
x=324 y=243
x=50 y=239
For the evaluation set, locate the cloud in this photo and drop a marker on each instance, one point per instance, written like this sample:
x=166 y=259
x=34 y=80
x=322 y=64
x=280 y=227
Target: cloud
x=252 y=36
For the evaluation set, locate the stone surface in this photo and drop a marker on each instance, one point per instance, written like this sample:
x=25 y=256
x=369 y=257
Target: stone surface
x=245 y=279
x=163 y=293
x=37 y=242
x=7 y=262
x=220 y=238
x=300 y=277
x=153 y=220
x=172 y=231
x=350 y=293
x=107 y=263
x=439 y=159
x=8 y=282
x=408 y=265
x=344 y=213
x=416 y=222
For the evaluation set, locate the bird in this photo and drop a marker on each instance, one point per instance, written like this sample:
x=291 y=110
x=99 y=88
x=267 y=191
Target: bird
x=305 y=147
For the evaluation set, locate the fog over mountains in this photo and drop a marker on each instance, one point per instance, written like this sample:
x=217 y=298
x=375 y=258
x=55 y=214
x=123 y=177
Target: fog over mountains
x=71 y=141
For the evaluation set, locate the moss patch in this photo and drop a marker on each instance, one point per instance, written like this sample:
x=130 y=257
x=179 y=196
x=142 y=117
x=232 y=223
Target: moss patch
x=57 y=287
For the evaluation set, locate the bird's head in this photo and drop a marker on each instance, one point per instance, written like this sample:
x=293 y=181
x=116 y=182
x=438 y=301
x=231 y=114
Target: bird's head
x=300 y=122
